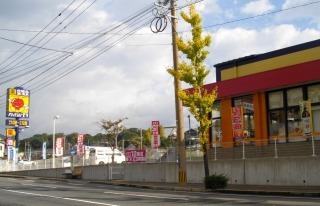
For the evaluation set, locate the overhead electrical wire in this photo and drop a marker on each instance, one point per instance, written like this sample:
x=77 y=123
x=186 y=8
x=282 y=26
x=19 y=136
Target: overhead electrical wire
x=90 y=41
x=95 y=55
x=38 y=33
x=80 y=45
x=43 y=39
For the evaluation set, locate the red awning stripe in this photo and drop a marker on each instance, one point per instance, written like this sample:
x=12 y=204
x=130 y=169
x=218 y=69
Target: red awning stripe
x=283 y=77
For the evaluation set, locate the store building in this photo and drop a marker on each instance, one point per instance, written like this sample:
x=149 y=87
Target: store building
x=273 y=89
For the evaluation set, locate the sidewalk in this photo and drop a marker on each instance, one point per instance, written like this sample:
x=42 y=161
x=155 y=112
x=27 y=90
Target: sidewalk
x=308 y=191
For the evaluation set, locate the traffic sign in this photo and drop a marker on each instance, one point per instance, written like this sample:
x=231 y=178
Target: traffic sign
x=72 y=152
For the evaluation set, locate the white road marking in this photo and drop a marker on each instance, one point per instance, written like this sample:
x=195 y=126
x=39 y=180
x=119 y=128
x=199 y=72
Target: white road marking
x=149 y=196
x=295 y=203
x=56 y=197
x=76 y=184
x=39 y=185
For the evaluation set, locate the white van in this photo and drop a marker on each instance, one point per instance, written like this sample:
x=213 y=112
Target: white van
x=103 y=155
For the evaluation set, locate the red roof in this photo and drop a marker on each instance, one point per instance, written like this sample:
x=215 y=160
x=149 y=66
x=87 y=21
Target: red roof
x=273 y=79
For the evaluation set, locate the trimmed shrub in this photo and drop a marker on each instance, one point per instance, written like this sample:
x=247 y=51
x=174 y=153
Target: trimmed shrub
x=216 y=181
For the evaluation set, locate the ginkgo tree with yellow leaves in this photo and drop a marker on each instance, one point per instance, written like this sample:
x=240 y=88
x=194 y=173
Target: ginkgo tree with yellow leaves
x=193 y=71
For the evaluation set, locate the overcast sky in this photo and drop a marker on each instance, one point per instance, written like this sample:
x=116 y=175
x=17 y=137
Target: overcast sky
x=84 y=77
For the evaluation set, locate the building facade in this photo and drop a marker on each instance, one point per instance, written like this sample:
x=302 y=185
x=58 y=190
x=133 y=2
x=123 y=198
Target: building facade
x=277 y=95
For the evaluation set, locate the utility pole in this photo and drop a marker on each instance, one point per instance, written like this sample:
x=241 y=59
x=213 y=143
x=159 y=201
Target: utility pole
x=178 y=102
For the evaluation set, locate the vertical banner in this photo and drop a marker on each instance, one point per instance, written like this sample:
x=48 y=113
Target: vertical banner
x=306 y=118
x=44 y=150
x=2 y=146
x=59 y=147
x=10 y=154
x=155 y=130
x=80 y=146
x=237 y=122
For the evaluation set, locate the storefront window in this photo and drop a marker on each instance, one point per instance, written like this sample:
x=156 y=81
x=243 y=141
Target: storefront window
x=314 y=97
x=277 y=123
x=248 y=114
x=276 y=100
x=294 y=96
x=314 y=93
x=216 y=123
x=316 y=120
x=295 y=127
x=277 y=118
x=285 y=117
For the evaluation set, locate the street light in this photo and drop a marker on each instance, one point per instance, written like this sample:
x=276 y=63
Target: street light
x=54 y=140
x=140 y=138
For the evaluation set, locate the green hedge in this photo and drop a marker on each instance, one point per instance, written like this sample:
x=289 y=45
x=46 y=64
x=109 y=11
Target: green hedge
x=216 y=181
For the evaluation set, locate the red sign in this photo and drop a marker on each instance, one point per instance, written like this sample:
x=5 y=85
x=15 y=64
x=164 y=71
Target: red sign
x=59 y=147
x=155 y=130
x=10 y=142
x=136 y=155
x=80 y=141
x=237 y=122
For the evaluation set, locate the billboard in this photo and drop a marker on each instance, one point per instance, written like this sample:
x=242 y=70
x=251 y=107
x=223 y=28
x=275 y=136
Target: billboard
x=18 y=103
x=136 y=155
x=155 y=132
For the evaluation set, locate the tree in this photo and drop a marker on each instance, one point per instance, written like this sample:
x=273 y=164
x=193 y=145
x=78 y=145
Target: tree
x=192 y=71
x=112 y=129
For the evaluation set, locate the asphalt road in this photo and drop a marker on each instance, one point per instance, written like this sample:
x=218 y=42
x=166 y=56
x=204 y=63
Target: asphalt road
x=21 y=191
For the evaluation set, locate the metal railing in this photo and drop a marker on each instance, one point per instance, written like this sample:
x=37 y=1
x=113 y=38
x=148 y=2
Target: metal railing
x=241 y=149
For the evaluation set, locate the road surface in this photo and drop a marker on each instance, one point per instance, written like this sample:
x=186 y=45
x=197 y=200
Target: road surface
x=36 y=192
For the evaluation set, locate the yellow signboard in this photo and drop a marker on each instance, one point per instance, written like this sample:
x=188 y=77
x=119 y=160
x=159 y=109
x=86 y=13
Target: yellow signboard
x=18 y=103
x=10 y=132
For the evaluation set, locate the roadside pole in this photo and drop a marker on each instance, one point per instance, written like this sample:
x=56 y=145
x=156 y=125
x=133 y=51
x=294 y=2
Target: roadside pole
x=178 y=102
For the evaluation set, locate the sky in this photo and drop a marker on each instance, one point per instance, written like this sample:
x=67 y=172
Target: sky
x=88 y=60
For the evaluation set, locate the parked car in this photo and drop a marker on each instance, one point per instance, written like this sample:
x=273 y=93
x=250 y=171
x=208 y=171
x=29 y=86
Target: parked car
x=27 y=162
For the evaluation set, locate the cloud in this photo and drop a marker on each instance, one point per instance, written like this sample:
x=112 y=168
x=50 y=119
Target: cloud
x=309 y=11
x=257 y=7
x=234 y=43
x=129 y=80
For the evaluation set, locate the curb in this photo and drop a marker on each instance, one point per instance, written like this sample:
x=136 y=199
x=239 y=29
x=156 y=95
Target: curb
x=228 y=191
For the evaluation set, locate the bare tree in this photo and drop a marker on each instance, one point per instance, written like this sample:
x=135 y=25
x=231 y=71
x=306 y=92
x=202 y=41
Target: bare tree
x=112 y=129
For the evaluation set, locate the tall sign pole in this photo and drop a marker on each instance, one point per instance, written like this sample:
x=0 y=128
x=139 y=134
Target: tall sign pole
x=178 y=102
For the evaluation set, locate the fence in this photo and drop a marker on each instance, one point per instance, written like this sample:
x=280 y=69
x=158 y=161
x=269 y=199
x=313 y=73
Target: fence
x=242 y=149
x=265 y=148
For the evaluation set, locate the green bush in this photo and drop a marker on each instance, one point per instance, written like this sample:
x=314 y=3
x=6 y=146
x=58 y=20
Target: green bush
x=216 y=181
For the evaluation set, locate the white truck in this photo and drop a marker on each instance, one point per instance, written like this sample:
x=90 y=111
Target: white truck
x=103 y=155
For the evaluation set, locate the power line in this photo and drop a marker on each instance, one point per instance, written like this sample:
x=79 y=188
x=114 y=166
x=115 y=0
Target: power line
x=34 y=46
x=54 y=65
x=39 y=32
x=260 y=15
x=44 y=38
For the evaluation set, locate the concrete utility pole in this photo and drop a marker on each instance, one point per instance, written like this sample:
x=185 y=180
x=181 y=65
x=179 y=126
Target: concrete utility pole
x=178 y=102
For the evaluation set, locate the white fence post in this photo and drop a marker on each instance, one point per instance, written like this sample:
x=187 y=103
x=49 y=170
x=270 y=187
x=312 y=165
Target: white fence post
x=275 y=148
x=243 y=150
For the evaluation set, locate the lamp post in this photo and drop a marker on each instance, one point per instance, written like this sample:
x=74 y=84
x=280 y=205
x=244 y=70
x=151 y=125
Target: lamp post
x=189 y=136
x=54 y=140
x=140 y=138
